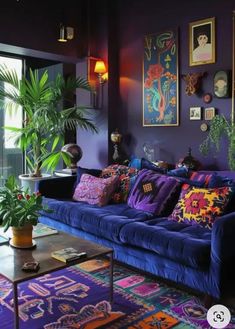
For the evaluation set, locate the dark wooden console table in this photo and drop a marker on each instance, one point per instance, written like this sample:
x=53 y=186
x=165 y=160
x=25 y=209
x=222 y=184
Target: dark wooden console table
x=12 y=260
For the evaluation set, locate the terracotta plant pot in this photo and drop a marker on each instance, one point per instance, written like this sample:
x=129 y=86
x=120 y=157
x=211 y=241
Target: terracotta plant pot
x=22 y=236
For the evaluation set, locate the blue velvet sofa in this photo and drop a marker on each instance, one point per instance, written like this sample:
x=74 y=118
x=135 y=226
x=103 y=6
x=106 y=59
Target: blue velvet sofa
x=194 y=256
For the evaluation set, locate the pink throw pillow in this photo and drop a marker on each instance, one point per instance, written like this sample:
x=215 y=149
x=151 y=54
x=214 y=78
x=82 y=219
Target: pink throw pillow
x=95 y=190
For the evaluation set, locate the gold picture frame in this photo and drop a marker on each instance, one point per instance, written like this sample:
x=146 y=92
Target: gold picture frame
x=209 y=113
x=160 y=79
x=202 y=42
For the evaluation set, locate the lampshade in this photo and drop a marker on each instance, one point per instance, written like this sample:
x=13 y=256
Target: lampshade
x=100 y=67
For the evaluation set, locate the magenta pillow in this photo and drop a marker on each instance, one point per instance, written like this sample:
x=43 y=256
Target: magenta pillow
x=153 y=192
x=95 y=190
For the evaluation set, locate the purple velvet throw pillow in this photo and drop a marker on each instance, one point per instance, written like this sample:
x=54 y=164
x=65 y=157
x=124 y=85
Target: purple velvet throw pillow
x=152 y=192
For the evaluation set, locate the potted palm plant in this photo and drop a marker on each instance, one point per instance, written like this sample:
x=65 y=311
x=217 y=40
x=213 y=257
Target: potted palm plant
x=220 y=127
x=44 y=122
x=19 y=209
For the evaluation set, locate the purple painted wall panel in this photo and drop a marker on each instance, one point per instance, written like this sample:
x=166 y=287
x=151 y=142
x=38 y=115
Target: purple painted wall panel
x=137 y=18
x=35 y=25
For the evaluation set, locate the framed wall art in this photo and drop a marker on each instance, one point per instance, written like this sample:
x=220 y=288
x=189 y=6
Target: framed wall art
x=195 y=113
x=160 y=79
x=202 y=42
x=222 y=84
x=209 y=113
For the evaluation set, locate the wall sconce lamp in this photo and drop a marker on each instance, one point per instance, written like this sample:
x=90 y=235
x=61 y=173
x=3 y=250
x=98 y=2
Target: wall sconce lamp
x=66 y=33
x=100 y=69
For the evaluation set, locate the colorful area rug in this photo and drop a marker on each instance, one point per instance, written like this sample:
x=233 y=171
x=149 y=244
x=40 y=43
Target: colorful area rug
x=78 y=297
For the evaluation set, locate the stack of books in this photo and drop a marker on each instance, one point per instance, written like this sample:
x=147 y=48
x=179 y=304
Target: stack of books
x=67 y=255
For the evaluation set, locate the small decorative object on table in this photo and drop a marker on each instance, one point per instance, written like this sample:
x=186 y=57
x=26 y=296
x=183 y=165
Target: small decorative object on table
x=116 y=138
x=148 y=149
x=75 y=152
x=31 y=267
x=189 y=161
x=20 y=210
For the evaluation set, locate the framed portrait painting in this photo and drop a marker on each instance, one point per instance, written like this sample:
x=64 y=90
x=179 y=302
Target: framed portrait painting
x=160 y=79
x=202 y=42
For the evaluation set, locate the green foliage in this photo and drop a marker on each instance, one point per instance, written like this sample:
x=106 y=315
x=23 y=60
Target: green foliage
x=18 y=207
x=45 y=123
x=219 y=128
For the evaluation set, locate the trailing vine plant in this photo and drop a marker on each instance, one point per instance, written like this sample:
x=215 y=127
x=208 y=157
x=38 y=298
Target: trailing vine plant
x=220 y=127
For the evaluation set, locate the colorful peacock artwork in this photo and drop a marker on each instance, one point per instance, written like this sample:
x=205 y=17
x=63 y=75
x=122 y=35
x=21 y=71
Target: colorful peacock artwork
x=160 y=86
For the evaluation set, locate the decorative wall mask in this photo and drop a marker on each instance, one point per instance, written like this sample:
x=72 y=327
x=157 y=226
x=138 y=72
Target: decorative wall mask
x=193 y=82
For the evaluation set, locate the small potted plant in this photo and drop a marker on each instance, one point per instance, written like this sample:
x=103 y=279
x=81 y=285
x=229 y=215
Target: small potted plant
x=220 y=127
x=19 y=209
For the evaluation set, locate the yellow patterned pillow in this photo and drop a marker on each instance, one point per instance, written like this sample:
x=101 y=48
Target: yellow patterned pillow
x=200 y=206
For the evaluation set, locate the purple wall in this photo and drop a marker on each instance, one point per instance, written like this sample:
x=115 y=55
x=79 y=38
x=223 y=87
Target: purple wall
x=133 y=21
x=115 y=30
x=35 y=25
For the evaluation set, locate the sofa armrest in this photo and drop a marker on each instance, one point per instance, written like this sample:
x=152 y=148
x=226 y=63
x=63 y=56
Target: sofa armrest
x=223 y=238
x=57 y=187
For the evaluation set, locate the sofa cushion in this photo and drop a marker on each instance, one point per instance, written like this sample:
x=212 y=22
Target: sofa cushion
x=104 y=221
x=89 y=171
x=201 y=177
x=146 y=164
x=220 y=181
x=152 y=191
x=127 y=177
x=201 y=206
x=188 y=245
x=95 y=190
x=179 y=172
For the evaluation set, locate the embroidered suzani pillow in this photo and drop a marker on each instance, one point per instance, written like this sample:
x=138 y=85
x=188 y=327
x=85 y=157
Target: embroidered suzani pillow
x=95 y=190
x=126 y=175
x=200 y=206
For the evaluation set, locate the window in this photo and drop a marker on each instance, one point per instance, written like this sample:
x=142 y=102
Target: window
x=10 y=155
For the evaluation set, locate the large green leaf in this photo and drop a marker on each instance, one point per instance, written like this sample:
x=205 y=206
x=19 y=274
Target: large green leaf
x=45 y=121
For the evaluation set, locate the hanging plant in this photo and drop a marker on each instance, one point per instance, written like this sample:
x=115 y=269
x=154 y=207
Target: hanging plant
x=219 y=128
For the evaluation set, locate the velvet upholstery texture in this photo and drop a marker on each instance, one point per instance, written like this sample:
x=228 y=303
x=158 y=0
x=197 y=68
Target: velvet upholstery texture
x=95 y=190
x=152 y=191
x=188 y=245
x=200 y=206
x=179 y=172
x=108 y=226
x=105 y=221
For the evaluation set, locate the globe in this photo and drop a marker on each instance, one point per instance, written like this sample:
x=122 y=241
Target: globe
x=74 y=151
